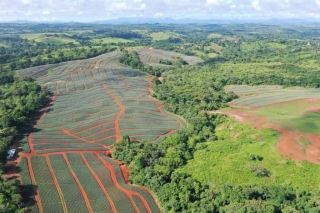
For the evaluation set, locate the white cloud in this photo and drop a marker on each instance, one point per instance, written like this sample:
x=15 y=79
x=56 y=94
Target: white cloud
x=256 y=5
x=212 y=2
x=25 y=1
x=89 y=10
x=46 y=12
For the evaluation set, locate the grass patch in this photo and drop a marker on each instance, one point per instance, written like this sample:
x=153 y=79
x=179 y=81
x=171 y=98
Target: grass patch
x=49 y=38
x=112 y=40
x=242 y=154
x=294 y=115
x=160 y=36
x=3 y=45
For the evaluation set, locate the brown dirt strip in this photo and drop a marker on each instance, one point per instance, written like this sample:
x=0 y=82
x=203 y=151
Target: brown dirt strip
x=86 y=200
x=67 y=132
x=63 y=202
x=92 y=73
x=29 y=139
x=99 y=182
x=122 y=109
x=160 y=136
x=98 y=132
x=127 y=192
x=33 y=180
x=90 y=128
x=73 y=81
x=151 y=56
x=287 y=144
x=67 y=89
x=57 y=90
x=85 y=87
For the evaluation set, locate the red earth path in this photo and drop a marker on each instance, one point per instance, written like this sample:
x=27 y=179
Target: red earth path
x=122 y=109
x=288 y=145
x=127 y=192
x=85 y=197
x=99 y=183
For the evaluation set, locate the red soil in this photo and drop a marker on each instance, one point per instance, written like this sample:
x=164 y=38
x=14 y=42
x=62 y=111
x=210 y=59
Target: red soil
x=127 y=192
x=288 y=145
x=86 y=200
x=122 y=109
x=71 y=78
x=125 y=173
x=63 y=202
x=85 y=87
x=33 y=180
x=57 y=90
x=99 y=182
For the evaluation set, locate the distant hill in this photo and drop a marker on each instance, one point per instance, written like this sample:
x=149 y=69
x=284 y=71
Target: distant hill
x=168 y=20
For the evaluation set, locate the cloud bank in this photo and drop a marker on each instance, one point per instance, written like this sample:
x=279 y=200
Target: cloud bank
x=90 y=10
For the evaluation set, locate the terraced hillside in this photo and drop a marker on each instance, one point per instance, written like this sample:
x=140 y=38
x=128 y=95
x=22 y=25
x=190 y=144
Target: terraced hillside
x=153 y=56
x=257 y=96
x=64 y=165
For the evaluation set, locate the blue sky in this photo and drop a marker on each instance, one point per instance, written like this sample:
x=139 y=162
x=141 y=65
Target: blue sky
x=90 y=10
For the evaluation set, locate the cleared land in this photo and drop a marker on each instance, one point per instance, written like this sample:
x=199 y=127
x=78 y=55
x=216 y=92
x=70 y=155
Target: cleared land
x=153 y=56
x=245 y=155
x=64 y=164
x=292 y=111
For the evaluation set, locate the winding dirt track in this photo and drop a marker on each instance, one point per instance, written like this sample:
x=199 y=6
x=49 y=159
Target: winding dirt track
x=120 y=80
x=122 y=109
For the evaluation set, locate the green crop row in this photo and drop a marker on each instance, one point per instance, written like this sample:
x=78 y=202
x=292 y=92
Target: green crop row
x=118 y=197
x=94 y=193
x=148 y=198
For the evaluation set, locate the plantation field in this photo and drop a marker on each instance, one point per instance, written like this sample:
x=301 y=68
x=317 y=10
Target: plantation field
x=94 y=102
x=246 y=155
x=81 y=182
x=56 y=39
x=153 y=56
x=257 y=96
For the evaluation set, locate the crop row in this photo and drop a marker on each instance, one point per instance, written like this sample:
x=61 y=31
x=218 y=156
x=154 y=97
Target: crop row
x=147 y=197
x=119 y=198
x=28 y=188
x=72 y=195
x=97 y=199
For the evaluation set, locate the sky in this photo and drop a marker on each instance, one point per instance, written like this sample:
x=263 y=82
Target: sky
x=91 y=10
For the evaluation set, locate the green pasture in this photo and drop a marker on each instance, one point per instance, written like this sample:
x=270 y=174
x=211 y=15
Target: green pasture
x=3 y=45
x=109 y=40
x=49 y=38
x=213 y=46
x=240 y=152
x=159 y=36
x=294 y=115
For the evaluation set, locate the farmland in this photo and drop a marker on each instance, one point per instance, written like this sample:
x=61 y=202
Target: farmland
x=153 y=57
x=57 y=39
x=94 y=102
x=257 y=96
x=76 y=156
